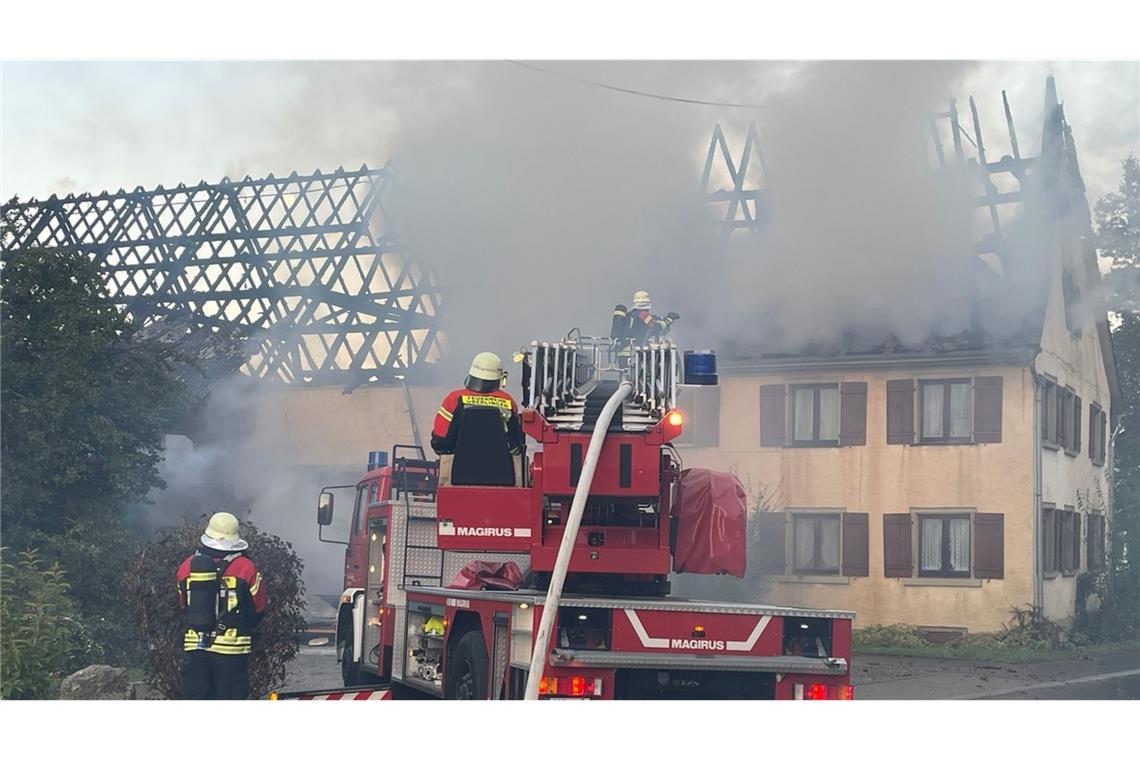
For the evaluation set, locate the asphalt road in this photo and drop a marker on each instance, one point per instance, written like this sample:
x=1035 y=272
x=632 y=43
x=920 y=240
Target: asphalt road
x=1111 y=676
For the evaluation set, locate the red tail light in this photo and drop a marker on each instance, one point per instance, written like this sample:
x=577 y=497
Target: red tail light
x=816 y=691
x=845 y=692
x=577 y=686
x=823 y=691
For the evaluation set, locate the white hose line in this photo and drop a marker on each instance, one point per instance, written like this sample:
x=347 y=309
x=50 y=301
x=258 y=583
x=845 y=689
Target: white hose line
x=569 y=536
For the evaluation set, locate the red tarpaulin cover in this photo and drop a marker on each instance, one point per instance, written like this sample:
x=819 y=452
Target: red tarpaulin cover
x=711 y=512
x=479 y=575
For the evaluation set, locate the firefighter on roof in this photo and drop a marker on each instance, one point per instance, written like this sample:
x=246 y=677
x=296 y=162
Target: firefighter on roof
x=224 y=597
x=482 y=388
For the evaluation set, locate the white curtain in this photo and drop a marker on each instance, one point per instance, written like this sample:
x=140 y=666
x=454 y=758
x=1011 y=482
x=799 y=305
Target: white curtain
x=829 y=414
x=829 y=544
x=932 y=411
x=930 y=551
x=960 y=544
x=961 y=411
x=803 y=414
x=805 y=543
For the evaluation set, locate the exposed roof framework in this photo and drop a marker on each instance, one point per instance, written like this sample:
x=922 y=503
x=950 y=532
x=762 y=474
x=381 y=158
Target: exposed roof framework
x=735 y=188
x=305 y=268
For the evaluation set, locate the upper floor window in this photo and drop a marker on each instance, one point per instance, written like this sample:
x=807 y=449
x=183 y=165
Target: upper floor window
x=960 y=410
x=1098 y=424
x=947 y=411
x=1060 y=417
x=815 y=414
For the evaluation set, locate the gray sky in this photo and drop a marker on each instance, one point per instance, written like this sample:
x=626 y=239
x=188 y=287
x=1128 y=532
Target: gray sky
x=74 y=127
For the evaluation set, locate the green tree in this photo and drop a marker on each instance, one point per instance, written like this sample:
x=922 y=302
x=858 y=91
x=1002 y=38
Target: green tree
x=83 y=408
x=41 y=637
x=1118 y=238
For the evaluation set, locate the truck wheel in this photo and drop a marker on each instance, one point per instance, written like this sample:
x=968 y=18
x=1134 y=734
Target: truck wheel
x=467 y=668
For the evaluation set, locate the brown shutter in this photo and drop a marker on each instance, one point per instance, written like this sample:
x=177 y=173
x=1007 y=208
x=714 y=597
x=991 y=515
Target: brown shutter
x=773 y=407
x=1103 y=432
x=1048 y=538
x=897 y=561
x=989 y=546
x=1094 y=439
x=900 y=411
x=855 y=544
x=1077 y=541
x=852 y=414
x=1077 y=423
x=987 y=410
x=1066 y=541
x=769 y=554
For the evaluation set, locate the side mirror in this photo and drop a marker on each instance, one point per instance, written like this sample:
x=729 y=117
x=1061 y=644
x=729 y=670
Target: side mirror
x=325 y=508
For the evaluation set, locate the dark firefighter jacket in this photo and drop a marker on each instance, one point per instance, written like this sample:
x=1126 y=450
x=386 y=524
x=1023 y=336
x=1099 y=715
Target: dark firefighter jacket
x=243 y=606
x=638 y=325
x=449 y=418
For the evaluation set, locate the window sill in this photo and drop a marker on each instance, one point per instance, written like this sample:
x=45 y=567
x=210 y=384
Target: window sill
x=834 y=580
x=1070 y=573
x=1073 y=454
x=950 y=582
x=1050 y=446
x=1051 y=574
x=813 y=445
x=945 y=443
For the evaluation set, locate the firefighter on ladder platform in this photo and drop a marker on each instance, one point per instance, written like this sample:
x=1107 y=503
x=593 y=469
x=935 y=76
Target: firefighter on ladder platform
x=224 y=597
x=483 y=388
x=638 y=325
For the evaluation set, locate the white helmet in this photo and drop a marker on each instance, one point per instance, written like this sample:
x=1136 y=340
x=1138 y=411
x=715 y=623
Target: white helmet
x=486 y=366
x=222 y=533
x=641 y=300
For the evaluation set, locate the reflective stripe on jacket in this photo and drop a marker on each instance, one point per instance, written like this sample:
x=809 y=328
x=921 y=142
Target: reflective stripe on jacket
x=244 y=594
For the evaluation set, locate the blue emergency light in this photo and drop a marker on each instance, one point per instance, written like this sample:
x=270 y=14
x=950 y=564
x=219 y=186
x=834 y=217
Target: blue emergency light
x=377 y=459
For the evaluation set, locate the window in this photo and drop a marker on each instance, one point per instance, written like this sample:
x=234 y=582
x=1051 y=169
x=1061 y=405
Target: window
x=1098 y=423
x=815 y=415
x=1066 y=542
x=359 y=513
x=944 y=546
x=1094 y=549
x=815 y=544
x=947 y=410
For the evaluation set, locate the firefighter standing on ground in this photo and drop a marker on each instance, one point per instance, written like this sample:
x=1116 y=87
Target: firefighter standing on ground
x=483 y=388
x=224 y=598
x=638 y=325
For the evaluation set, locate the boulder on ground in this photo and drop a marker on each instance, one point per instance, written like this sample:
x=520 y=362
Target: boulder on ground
x=96 y=682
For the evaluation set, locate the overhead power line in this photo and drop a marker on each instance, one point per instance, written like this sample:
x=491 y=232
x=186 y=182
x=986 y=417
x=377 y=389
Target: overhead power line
x=640 y=93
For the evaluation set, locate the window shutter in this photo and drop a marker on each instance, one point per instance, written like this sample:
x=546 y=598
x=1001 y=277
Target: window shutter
x=1048 y=539
x=989 y=546
x=900 y=411
x=769 y=556
x=1066 y=539
x=1093 y=438
x=855 y=544
x=897 y=561
x=987 y=409
x=1077 y=423
x=773 y=429
x=1077 y=541
x=853 y=414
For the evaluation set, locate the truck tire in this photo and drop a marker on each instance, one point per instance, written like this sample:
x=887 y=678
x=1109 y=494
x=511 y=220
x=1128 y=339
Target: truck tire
x=350 y=672
x=467 y=668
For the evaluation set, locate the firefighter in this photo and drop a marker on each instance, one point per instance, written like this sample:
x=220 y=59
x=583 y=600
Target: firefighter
x=642 y=324
x=637 y=325
x=482 y=388
x=223 y=595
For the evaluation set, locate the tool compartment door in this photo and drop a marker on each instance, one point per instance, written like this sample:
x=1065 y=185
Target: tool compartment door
x=483 y=518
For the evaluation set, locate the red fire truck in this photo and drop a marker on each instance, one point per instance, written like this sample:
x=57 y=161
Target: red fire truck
x=595 y=516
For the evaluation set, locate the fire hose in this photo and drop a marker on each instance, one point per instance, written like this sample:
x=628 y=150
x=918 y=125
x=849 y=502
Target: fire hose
x=569 y=537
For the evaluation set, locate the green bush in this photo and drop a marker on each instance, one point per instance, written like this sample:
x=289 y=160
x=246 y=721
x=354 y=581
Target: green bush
x=41 y=636
x=160 y=622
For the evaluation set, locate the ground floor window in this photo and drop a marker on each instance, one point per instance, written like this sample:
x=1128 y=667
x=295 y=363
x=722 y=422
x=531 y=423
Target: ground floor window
x=944 y=546
x=815 y=542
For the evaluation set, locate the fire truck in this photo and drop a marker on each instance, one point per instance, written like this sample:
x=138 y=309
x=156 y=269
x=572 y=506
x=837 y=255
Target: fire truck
x=566 y=553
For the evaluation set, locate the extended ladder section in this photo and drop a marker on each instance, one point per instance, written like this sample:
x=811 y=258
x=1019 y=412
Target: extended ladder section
x=572 y=378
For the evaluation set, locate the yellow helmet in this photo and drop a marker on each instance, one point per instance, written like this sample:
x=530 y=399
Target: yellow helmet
x=434 y=626
x=641 y=300
x=222 y=533
x=486 y=366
